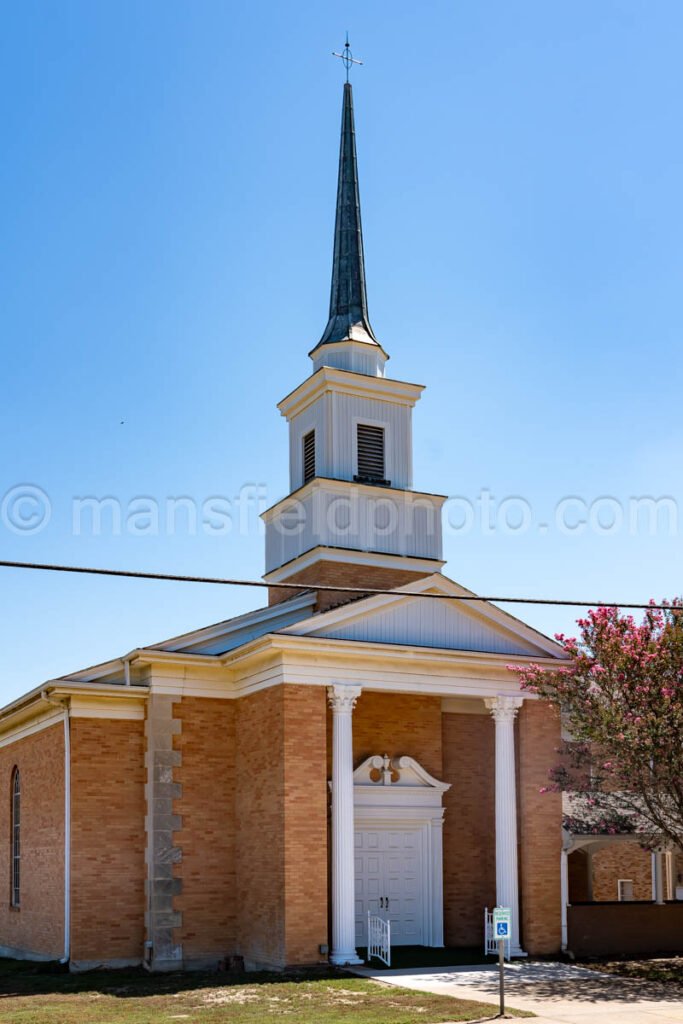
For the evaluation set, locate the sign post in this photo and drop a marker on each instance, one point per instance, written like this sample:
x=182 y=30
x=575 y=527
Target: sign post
x=502 y=928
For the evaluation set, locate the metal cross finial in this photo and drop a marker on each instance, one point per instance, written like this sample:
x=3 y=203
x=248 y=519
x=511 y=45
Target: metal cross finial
x=347 y=57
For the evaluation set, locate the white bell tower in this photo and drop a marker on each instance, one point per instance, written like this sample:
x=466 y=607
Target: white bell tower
x=351 y=517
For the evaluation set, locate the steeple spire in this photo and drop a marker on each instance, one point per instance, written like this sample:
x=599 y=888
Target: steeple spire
x=348 y=300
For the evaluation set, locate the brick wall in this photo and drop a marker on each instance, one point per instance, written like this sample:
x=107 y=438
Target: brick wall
x=305 y=797
x=343 y=574
x=395 y=724
x=208 y=899
x=107 y=839
x=469 y=838
x=540 y=820
x=622 y=860
x=281 y=804
x=259 y=813
x=38 y=926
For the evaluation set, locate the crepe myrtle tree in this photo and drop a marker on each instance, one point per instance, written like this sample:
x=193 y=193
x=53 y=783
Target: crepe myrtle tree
x=621 y=700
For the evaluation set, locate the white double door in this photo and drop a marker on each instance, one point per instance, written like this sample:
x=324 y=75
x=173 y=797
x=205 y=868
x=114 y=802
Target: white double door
x=389 y=883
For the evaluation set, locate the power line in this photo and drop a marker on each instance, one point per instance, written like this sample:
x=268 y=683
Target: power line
x=365 y=591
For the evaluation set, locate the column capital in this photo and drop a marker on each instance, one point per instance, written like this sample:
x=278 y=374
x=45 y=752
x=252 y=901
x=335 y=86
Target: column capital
x=342 y=697
x=503 y=708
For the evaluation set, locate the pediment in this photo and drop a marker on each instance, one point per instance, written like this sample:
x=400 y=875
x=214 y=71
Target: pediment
x=398 y=772
x=403 y=617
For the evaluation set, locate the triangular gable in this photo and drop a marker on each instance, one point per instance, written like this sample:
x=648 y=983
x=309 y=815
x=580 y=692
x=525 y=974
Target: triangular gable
x=404 y=618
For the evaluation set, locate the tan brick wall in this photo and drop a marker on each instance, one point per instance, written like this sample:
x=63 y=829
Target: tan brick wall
x=281 y=804
x=395 y=724
x=540 y=821
x=38 y=926
x=107 y=839
x=259 y=813
x=469 y=838
x=208 y=900
x=343 y=574
x=622 y=860
x=305 y=796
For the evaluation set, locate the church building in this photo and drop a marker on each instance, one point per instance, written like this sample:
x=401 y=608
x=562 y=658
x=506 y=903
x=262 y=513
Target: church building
x=254 y=788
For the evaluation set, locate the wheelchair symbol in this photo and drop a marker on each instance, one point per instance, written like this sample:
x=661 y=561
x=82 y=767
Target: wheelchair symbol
x=502 y=929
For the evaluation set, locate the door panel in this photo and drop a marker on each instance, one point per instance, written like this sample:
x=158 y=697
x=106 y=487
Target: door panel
x=388 y=866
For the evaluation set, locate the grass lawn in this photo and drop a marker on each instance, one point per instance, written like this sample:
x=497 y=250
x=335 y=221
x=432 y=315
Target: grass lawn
x=42 y=994
x=668 y=970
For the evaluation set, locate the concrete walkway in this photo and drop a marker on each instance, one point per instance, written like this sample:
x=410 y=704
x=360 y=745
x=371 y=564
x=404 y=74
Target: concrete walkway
x=557 y=993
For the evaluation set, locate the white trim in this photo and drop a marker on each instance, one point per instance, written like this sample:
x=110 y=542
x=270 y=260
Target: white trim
x=414 y=803
x=20 y=732
x=620 y=897
x=102 y=707
x=345 y=487
x=352 y=556
x=360 y=385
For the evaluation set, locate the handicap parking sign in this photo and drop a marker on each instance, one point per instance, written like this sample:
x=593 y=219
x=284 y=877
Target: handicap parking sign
x=502 y=922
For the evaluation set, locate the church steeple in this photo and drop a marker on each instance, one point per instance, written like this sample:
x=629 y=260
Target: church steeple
x=351 y=514
x=349 y=320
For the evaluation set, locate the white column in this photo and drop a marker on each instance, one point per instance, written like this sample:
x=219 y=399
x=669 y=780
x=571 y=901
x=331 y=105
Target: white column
x=504 y=710
x=659 y=876
x=342 y=700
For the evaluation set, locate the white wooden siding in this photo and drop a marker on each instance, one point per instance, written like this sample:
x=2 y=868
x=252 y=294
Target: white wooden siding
x=334 y=417
x=428 y=623
x=359 y=517
x=365 y=359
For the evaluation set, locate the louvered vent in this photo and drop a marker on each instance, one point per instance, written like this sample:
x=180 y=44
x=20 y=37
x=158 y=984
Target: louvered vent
x=371 y=454
x=309 y=455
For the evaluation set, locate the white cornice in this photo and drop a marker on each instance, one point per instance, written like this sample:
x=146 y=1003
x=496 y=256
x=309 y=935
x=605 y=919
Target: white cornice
x=38 y=709
x=320 y=661
x=352 y=556
x=327 y=378
x=344 y=487
x=366 y=649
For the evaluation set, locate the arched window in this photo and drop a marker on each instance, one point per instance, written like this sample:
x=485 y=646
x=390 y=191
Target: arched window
x=16 y=839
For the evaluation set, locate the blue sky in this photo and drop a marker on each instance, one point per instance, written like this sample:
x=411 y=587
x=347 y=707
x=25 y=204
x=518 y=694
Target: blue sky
x=168 y=177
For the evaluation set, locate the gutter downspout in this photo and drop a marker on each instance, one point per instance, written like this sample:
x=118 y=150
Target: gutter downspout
x=67 y=823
